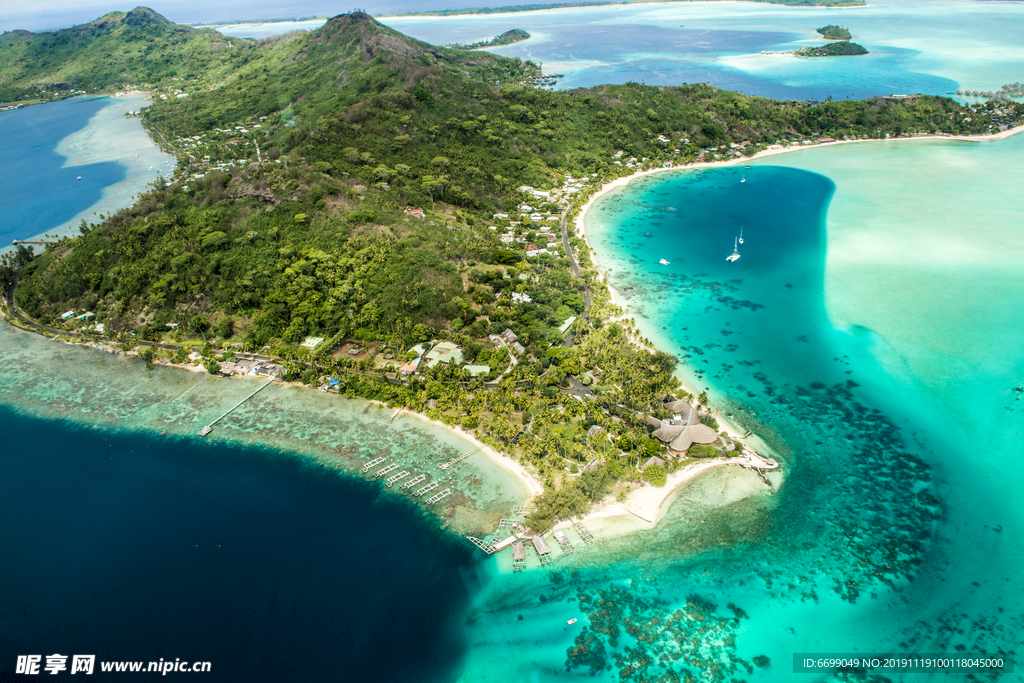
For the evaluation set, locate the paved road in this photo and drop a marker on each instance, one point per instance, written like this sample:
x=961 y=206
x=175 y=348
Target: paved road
x=575 y=271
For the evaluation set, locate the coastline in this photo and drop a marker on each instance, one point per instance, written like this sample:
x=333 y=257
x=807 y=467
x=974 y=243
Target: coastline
x=625 y=180
x=648 y=503
x=109 y=136
x=533 y=485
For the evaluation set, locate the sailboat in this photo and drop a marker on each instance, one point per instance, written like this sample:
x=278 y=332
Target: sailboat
x=735 y=255
x=740 y=240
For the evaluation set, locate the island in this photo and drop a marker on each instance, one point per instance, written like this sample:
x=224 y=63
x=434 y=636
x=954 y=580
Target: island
x=505 y=9
x=370 y=215
x=832 y=50
x=515 y=35
x=833 y=32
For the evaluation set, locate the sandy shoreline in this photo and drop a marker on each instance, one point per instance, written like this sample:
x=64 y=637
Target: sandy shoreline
x=645 y=503
x=534 y=486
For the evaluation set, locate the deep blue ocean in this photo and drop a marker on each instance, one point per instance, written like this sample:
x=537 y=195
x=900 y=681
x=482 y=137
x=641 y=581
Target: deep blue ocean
x=38 y=191
x=137 y=547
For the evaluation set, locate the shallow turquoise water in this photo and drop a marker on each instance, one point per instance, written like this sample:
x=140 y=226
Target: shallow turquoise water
x=845 y=338
x=931 y=47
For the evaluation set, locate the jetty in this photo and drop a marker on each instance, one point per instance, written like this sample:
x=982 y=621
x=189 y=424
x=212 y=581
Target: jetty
x=486 y=546
x=397 y=477
x=385 y=470
x=373 y=463
x=563 y=542
x=209 y=428
x=439 y=496
x=412 y=482
x=426 y=489
x=397 y=413
x=582 y=531
x=446 y=465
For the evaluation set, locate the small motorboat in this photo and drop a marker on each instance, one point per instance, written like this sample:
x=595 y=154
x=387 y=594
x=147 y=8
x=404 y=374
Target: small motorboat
x=741 y=235
x=663 y=262
x=571 y=622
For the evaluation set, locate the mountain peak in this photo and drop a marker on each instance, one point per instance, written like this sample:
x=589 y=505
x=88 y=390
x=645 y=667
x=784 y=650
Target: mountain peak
x=144 y=16
x=373 y=37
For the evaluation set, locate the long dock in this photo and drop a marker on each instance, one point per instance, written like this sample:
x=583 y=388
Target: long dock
x=209 y=428
x=446 y=465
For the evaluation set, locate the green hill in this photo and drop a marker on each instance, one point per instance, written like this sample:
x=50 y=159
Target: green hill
x=515 y=35
x=139 y=47
x=833 y=50
x=299 y=164
x=833 y=32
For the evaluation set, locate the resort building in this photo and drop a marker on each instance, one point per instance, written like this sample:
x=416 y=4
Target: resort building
x=683 y=430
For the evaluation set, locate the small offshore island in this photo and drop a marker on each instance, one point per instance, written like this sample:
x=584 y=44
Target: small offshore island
x=400 y=232
x=843 y=49
x=516 y=35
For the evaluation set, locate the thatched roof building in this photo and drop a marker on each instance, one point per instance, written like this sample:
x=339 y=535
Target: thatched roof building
x=683 y=429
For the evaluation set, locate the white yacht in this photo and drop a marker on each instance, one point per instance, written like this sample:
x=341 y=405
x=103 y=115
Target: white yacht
x=663 y=262
x=741 y=235
x=735 y=255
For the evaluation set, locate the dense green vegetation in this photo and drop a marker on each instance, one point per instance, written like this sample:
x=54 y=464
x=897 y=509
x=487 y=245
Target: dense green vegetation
x=515 y=35
x=833 y=32
x=561 y=5
x=310 y=233
x=833 y=50
x=135 y=48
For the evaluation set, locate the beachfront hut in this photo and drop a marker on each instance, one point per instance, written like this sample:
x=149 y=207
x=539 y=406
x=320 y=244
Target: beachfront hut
x=653 y=460
x=542 y=549
x=518 y=557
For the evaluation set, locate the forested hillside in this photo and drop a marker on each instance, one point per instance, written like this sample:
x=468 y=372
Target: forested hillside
x=356 y=184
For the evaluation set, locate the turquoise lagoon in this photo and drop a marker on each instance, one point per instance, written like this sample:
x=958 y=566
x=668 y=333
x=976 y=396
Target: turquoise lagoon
x=915 y=47
x=868 y=336
x=71 y=160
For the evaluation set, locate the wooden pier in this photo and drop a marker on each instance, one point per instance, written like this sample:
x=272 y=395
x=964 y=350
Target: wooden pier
x=412 y=482
x=446 y=465
x=397 y=413
x=486 y=546
x=384 y=470
x=209 y=428
x=439 y=496
x=563 y=542
x=426 y=489
x=582 y=531
x=397 y=477
x=373 y=463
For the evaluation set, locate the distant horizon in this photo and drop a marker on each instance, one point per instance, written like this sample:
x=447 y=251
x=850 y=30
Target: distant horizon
x=52 y=15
